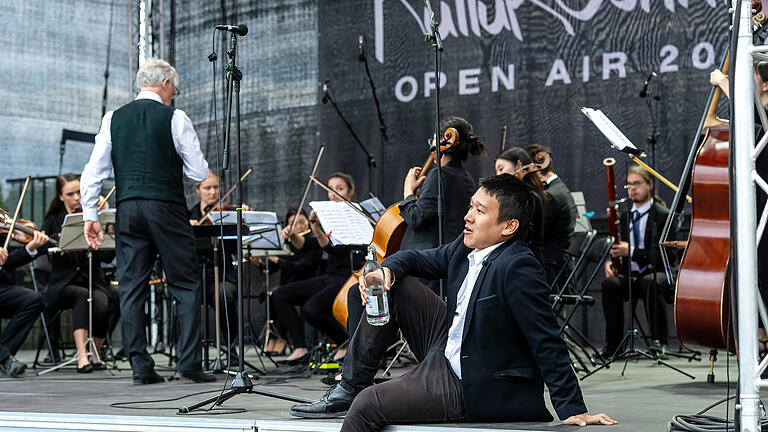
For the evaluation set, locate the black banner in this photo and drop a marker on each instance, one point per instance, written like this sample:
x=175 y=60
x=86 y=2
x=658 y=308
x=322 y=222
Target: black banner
x=530 y=65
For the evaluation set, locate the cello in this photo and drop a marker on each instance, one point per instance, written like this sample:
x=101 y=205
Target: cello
x=388 y=233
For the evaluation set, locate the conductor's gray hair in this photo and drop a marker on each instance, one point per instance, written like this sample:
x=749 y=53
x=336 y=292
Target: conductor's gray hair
x=154 y=72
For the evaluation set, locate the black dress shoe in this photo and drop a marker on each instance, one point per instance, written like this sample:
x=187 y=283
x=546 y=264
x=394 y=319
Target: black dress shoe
x=12 y=367
x=85 y=369
x=198 y=377
x=99 y=366
x=335 y=403
x=154 y=378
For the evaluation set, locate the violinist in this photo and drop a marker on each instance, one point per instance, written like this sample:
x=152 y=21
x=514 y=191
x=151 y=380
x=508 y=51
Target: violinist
x=208 y=192
x=559 y=215
x=68 y=282
x=19 y=305
x=512 y=161
x=316 y=295
x=641 y=264
x=303 y=264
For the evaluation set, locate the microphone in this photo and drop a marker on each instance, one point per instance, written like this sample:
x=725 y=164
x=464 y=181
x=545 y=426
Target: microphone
x=326 y=85
x=361 y=47
x=644 y=92
x=240 y=29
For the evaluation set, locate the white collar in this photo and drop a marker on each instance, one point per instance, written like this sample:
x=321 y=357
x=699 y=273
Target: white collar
x=478 y=255
x=551 y=178
x=146 y=94
x=643 y=208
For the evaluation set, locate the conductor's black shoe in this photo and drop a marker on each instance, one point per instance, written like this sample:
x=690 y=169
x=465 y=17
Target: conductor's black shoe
x=198 y=377
x=335 y=403
x=12 y=367
x=154 y=378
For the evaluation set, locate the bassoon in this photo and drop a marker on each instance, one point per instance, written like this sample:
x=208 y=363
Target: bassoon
x=613 y=208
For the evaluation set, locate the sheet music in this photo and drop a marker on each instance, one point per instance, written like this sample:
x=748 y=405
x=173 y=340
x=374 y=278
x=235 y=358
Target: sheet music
x=606 y=126
x=345 y=225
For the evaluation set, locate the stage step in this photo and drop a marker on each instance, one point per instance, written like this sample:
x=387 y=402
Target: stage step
x=22 y=422
x=18 y=421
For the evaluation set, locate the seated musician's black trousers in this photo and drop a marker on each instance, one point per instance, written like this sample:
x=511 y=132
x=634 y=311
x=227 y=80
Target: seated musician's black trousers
x=21 y=306
x=616 y=292
x=429 y=393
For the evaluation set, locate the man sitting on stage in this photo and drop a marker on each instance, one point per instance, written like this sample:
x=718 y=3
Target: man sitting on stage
x=20 y=305
x=483 y=357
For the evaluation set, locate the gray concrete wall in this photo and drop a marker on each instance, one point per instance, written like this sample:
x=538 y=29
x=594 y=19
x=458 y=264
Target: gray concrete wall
x=52 y=69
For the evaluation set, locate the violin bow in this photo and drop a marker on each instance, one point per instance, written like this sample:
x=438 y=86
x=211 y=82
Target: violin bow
x=503 y=139
x=226 y=195
x=106 y=198
x=16 y=213
x=309 y=183
x=348 y=202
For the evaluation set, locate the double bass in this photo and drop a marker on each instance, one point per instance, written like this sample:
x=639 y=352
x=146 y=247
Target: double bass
x=388 y=233
x=702 y=298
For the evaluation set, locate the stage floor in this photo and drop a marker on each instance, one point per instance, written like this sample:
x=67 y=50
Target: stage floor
x=644 y=399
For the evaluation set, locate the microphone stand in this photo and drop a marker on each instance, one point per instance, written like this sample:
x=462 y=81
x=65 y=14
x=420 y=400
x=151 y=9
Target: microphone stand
x=437 y=43
x=382 y=126
x=241 y=383
x=371 y=161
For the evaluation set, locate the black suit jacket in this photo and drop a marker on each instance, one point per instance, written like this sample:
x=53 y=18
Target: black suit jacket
x=511 y=343
x=559 y=220
x=17 y=258
x=421 y=213
x=651 y=253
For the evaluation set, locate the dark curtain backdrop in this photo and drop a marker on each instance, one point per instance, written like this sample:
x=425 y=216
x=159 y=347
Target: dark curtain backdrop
x=529 y=65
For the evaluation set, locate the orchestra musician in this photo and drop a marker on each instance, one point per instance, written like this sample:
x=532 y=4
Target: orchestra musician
x=511 y=161
x=559 y=215
x=642 y=261
x=19 y=305
x=68 y=282
x=316 y=295
x=420 y=212
x=303 y=264
x=208 y=192
x=151 y=147
x=483 y=357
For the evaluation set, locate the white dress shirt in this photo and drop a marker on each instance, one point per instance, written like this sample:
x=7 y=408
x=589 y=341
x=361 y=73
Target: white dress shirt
x=640 y=225
x=99 y=166
x=456 y=332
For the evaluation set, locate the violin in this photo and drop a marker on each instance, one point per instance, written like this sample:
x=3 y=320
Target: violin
x=540 y=162
x=24 y=230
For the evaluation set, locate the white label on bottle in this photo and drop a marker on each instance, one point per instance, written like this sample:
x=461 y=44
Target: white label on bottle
x=372 y=307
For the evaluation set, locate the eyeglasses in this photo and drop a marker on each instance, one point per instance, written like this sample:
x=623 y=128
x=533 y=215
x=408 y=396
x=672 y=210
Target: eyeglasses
x=176 y=92
x=634 y=185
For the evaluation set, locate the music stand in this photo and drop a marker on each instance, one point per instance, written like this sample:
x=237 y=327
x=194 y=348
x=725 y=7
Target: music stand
x=73 y=240
x=207 y=236
x=264 y=247
x=263 y=240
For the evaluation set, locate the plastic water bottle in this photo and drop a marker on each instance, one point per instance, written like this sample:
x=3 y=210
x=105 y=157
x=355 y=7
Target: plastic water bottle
x=377 y=308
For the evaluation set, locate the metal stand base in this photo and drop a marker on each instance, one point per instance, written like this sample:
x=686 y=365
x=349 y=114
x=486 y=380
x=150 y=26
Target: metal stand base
x=631 y=353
